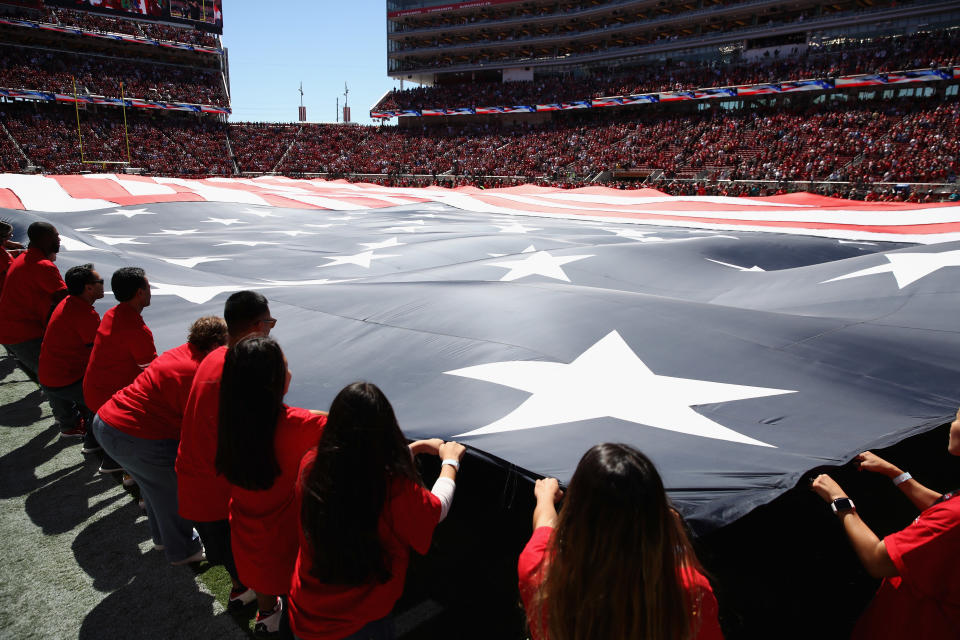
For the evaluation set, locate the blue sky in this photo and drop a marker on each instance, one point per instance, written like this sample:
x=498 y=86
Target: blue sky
x=323 y=43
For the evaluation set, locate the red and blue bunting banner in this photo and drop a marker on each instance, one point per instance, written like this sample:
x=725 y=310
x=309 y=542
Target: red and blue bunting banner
x=47 y=96
x=118 y=37
x=823 y=84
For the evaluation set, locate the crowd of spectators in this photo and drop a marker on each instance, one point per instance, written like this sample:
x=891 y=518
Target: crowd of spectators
x=158 y=144
x=48 y=70
x=893 y=53
x=862 y=142
x=101 y=23
x=258 y=146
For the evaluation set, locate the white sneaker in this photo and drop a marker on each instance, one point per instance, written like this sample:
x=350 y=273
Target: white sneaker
x=269 y=624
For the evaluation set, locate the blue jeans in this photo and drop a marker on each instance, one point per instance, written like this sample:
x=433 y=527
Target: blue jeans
x=150 y=462
x=66 y=403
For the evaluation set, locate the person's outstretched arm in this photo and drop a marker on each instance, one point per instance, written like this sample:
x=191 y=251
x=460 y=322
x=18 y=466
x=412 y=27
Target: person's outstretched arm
x=548 y=493
x=919 y=495
x=869 y=548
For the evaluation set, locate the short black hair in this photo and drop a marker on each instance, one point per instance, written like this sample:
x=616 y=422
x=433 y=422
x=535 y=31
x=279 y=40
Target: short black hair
x=242 y=309
x=78 y=277
x=5 y=228
x=40 y=231
x=126 y=281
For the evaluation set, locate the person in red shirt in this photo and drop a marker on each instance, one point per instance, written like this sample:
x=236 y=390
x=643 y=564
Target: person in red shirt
x=66 y=348
x=123 y=346
x=260 y=443
x=139 y=427
x=203 y=496
x=362 y=507
x=646 y=582
x=920 y=593
x=32 y=288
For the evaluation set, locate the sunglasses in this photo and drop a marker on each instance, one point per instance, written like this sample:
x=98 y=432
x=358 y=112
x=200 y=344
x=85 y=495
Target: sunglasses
x=270 y=322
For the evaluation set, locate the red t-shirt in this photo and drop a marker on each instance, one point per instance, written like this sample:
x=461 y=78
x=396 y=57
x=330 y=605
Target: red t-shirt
x=67 y=342
x=26 y=297
x=202 y=495
x=151 y=407
x=529 y=567
x=5 y=261
x=264 y=524
x=121 y=351
x=924 y=600
x=327 y=611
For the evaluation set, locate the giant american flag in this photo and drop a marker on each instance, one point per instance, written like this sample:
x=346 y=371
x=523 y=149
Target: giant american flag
x=740 y=342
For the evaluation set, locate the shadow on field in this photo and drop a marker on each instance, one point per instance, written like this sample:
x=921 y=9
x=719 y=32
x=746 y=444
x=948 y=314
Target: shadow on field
x=23 y=412
x=18 y=468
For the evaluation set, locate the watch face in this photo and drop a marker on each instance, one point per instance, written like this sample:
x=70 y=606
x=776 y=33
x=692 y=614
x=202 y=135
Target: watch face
x=842 y=504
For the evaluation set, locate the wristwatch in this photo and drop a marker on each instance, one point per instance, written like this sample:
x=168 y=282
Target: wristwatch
x=841 y=505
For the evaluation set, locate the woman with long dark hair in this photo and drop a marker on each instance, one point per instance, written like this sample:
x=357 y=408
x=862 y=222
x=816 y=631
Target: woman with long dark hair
x=363 y=507
x=260 y=442
x=616 y=562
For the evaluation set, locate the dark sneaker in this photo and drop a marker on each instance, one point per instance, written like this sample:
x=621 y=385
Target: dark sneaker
x=76 y=431
x=128 y=480
x=268 y=622
x=90 y=444
x=197 y=557
x=241 y=598
x=107 y=465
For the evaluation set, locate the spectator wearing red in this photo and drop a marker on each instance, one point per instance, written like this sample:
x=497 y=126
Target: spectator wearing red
x=260 y=443
x=646 y=583
x=363 y=507
x=66 y=349
x=920 y=594
x=123 y=347
x=203 y=496
x=139 y=427
x=33 y=286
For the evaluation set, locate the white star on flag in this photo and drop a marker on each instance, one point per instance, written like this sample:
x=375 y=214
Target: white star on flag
x=293 y=233
x=190 y=263
x=318 y=226
x=194 y=294
x=392 y=242
x=245 y=243
x=262 y=214
x=632 y=234
x=225 y=221
x=69 y=244
x=737 y=267
x=540 y=263
x=907 y=268
x=131 y=213
x=515 y=227
x=361 y=259
x=175 y=232
x=609 y=380
x=402 y=229
x=113 y=240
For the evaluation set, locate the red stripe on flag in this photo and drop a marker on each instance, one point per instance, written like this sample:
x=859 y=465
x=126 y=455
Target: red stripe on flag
x=9 y=200
x=922 y=229
x=96 y=188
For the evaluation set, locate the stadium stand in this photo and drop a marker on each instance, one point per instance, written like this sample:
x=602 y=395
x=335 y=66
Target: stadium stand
x=831 y=139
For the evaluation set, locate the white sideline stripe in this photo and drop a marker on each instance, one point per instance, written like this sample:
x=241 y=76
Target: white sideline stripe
x=40 y=193
x=134 y=187
x=216 y=194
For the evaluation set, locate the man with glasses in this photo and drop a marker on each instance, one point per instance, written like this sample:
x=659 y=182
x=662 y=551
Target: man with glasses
x=66 y=349
x=203 y=496
x=32 y=288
